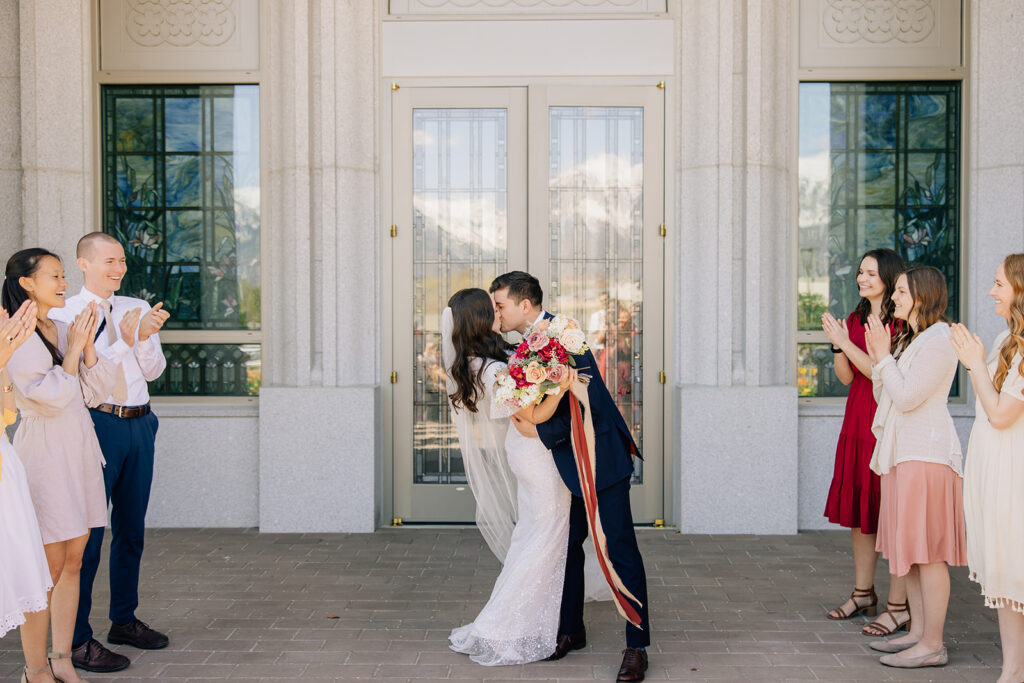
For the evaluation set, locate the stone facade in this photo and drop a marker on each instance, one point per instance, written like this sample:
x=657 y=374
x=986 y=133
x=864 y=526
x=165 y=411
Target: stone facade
x=742 y=453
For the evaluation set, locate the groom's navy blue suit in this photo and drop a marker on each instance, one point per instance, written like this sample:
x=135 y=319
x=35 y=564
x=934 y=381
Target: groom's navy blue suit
x=614 y=464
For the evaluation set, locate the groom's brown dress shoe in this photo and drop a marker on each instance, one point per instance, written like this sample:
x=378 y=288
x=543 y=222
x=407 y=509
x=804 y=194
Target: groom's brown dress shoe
x=92 y=656
x=567 y=642
x=634 y=664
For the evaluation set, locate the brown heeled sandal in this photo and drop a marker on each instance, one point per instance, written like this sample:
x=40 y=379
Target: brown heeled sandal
x=59 y=655
x=870 y=608
x=876 y=629
x=35 y=672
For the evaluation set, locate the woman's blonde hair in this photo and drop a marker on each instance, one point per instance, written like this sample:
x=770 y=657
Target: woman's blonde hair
x=1013 y=266
x=927 y=287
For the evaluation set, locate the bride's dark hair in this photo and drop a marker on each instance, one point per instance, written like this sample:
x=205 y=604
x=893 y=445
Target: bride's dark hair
x=473 y=336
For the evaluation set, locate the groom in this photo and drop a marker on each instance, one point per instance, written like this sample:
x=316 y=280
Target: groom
x=518 y=298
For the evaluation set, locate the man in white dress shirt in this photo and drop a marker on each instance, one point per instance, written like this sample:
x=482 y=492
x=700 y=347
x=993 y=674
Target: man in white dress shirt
x=126 y=429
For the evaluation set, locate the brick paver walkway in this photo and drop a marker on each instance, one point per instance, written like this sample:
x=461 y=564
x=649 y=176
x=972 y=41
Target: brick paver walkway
x=244 y=606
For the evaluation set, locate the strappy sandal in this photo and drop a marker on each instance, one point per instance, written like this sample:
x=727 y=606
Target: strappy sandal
x=60 y=655
x=877 y=629
x=870 y=609
x=35 y=672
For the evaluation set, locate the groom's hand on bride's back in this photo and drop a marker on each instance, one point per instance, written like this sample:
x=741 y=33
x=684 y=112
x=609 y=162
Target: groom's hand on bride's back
x=527 y=429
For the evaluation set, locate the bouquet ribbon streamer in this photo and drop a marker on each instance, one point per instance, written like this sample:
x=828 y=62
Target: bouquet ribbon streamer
x=586 y=467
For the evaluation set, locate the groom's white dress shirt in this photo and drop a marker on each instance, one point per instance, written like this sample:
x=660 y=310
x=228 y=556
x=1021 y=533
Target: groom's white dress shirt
x=142 y=362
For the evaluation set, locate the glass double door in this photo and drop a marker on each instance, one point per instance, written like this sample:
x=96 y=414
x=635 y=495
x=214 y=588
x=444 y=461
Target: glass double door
x=565 y=183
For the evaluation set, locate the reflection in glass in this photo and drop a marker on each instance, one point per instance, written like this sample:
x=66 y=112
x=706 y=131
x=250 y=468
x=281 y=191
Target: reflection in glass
x=879 y=167
x=595 y=233
x=815 y=375
x=209 y=370
x=460 y=201
x=189 y=218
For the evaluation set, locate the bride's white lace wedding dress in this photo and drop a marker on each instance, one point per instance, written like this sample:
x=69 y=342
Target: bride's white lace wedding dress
x=519 y=623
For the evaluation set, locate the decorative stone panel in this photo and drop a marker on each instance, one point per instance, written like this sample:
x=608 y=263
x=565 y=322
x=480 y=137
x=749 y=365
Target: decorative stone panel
x=545 y=8
x=162 y=35
x=880 y=33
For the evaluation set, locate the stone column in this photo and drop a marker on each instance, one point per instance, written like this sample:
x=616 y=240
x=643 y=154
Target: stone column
x=994 y=192
x=10 y=129
x=736 y=406
x=319 y=408
x=57 y=125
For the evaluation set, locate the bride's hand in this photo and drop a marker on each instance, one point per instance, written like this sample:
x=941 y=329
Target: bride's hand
x=527 y=429
x=569 y=378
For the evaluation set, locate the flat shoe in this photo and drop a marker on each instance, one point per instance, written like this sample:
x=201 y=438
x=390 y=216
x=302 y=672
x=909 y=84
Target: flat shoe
x=898 y=662
x=889 y=646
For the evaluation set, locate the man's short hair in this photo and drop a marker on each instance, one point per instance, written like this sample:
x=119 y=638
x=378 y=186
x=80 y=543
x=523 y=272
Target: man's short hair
x=87 y=242
x=520 y=286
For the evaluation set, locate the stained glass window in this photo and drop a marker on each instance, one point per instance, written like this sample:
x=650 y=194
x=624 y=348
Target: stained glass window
x=181 y=191
x=879 y=167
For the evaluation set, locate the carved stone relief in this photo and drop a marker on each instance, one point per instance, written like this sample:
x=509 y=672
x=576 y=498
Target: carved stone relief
x=878 y=21
x=542 y=7
x=180 y=23
x=887 y=34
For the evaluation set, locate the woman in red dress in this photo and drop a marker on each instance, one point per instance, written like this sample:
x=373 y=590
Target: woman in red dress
x=853 y=499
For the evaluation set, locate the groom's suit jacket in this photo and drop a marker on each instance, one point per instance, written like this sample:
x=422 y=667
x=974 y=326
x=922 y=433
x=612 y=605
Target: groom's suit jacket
x=612 y=438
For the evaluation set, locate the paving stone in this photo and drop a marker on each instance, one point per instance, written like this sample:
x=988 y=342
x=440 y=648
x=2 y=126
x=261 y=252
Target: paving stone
x=243 y=606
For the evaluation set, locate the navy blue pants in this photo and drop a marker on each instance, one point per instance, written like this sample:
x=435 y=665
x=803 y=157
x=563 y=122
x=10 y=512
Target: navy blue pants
x=617 y=522
x=128 y=446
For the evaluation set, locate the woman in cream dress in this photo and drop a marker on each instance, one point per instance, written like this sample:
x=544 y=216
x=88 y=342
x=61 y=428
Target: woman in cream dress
x=994 y=481
x=55 y=440
x=24 y=575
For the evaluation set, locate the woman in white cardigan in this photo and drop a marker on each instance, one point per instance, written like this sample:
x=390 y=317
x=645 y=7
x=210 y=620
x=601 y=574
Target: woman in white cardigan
x=918 y=455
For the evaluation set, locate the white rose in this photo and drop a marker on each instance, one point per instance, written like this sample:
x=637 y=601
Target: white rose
x=557 y=325
x=573 y=340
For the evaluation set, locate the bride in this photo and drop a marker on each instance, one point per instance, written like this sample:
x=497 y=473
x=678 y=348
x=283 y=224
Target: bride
x=525 y=521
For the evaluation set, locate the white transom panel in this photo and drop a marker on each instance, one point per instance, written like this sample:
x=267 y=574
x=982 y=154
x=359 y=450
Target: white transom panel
x=880 y=33
x=158 y=35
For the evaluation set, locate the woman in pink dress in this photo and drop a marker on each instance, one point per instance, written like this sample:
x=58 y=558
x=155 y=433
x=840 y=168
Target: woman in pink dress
x=854 y=496
x=919 y=457
x=55 y=439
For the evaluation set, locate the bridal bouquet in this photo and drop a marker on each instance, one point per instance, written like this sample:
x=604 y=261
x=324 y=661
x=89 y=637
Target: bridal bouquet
x=540 y=362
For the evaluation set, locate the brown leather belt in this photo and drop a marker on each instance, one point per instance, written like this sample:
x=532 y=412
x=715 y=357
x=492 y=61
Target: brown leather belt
x=123 y=411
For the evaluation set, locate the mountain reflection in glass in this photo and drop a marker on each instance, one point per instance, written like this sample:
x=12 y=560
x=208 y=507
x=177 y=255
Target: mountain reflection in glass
x=460 y=239
x=595 y=233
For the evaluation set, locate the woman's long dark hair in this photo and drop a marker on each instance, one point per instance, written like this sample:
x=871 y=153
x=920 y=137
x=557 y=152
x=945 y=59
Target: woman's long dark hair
x=25 y=263
x=473 y=336
x=890 y=266
x=927 y=287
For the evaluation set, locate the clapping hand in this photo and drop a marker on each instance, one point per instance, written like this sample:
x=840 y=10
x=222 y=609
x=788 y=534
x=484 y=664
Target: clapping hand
x=879 y=341
x=835 y=329
x=153 y=321
x=969 y=347
x=83 y=330
x=129 y=324
x=15 y=329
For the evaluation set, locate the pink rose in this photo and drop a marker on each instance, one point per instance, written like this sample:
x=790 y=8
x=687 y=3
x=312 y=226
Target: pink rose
x=537 y=341
x=557 y=373
x=536 y=373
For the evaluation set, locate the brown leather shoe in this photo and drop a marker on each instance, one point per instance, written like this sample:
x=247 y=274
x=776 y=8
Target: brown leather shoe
x=634 y=664
x=567 y=642
x=92 y=656
x=137 y=634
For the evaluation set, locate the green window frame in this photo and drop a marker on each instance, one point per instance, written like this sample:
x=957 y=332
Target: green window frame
x=879 y=166
x=181 y=192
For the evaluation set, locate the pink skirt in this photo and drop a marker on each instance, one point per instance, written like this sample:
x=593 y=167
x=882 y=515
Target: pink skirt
x=921 y=517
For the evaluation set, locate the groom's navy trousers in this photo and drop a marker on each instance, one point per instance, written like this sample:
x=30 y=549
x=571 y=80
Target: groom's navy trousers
x=128 y=446
x=614 y=463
